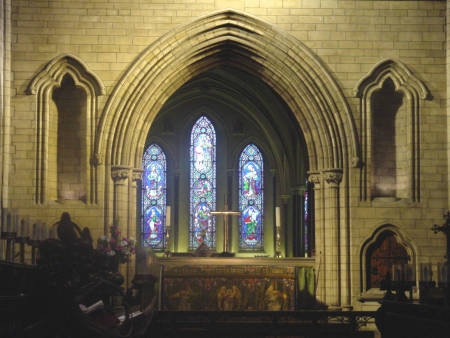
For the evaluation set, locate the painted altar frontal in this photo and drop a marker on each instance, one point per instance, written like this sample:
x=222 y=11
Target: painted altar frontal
x=221 y=286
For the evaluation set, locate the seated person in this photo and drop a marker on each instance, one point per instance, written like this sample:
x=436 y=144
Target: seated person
x=69 y=232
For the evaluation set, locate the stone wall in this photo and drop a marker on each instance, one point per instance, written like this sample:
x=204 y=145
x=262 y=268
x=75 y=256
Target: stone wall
x=349 y=37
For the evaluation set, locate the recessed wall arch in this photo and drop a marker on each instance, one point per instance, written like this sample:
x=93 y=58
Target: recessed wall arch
x=290 y=68
x=401 y=238
x=413 y=90
x=43 y=85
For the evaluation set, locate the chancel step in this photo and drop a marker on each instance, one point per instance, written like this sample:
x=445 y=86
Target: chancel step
x=302 y=324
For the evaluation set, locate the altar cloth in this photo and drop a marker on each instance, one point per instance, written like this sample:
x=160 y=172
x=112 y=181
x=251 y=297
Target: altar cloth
x=229 y=288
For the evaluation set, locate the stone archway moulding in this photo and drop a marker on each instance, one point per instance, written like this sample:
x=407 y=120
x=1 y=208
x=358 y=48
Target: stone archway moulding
x=242 y=41
x=245 y=42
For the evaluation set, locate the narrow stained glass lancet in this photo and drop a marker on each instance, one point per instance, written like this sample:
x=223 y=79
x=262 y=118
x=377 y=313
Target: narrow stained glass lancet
x=202 y=183
x=251 y=199
x=306 y=219
x=154 y=187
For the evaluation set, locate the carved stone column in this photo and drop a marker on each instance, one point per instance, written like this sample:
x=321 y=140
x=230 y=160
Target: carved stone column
x=136 y=177
x=132 y=231
x=286 y=235
x=120 y=175
x=316 y=179
x=332 y=266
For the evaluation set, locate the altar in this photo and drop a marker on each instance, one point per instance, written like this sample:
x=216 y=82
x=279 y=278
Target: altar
x=236 y=284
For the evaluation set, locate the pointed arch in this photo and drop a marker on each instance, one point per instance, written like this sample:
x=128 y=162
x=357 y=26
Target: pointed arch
x=414 y=90
x=375 y=238
x=245 y=42
x=43 y=85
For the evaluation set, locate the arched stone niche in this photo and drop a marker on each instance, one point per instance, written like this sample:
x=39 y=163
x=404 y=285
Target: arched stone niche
x=66 y=94
x=390 y=96
x=385 y=247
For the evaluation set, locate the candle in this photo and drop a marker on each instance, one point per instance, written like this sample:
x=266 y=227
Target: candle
x=410 y=273
x=52 y=232
x=44 y=232
x=26 y=227
x=3 y=220
x=21 y=232
x=39 y=231
x=168 y=215
x=16 y=226
x=34 y=232
x=426 y=272
x=442 y=271
x=277 y=217
x=9 y=222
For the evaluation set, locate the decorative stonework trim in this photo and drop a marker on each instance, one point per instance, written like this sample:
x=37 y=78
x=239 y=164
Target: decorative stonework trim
x=314 y=177
x=287 y=65
x=333 y=177
x=42 y=85
x=120 y=173
x=58 y=67
x=136 y=174
x=414 y=90
x=400 y=75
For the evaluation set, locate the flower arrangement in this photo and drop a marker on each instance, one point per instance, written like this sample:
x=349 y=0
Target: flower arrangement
x=115 y=246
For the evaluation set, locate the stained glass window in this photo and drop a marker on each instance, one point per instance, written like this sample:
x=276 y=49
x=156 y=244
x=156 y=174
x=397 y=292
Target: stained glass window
x=202 y=183
x=251 y=199
x=154 y=185
x=306 y=219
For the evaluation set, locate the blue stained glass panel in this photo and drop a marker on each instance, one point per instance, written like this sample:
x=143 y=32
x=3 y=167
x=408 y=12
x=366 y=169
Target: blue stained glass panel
x=154 y=187
x=251 y=199
x=306 y=220
x=202 y=183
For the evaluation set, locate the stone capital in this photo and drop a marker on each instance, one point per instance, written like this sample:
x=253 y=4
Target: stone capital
x=314 y=177
x=333 y=177
x=285 y=198
x=120 y=173
x=136 y=174
x=299 y=190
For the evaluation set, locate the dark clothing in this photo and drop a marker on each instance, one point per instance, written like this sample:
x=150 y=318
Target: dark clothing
x=68 y=231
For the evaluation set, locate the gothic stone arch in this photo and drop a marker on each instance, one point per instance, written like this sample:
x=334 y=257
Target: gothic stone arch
x=414 y=91
x=245 y=42
x=43 y=85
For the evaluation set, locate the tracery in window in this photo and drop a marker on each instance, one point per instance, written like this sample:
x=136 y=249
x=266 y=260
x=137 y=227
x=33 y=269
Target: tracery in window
x=251 y=199
x=202 y=184
x=154 y=187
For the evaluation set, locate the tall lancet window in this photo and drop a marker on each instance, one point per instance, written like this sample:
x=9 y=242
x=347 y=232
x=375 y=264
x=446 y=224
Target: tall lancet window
x=251 y=199
x=202 y=184
x=154 y=186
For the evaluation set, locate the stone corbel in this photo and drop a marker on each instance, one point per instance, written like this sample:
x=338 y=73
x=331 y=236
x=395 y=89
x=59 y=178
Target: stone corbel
x=96 y=159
